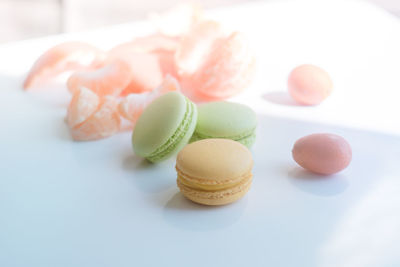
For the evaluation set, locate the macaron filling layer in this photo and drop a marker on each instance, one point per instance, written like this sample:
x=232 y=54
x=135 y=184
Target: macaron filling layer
x=248 y=141
x=213 y=185
x=174 y=140
x=240 y=188
x=209 y=188
x=245 y=138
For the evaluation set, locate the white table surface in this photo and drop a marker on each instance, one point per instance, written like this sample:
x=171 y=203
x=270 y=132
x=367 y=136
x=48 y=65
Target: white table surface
x=95 y=204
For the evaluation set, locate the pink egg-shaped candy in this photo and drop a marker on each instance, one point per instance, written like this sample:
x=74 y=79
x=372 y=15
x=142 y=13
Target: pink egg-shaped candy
x=309 y=84
x=322 y=153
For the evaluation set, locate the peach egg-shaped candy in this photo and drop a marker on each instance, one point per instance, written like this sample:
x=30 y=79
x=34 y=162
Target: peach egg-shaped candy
x=309 y=84
x=322 y=153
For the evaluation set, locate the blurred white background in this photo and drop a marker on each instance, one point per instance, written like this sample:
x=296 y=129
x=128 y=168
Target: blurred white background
x=22 y=19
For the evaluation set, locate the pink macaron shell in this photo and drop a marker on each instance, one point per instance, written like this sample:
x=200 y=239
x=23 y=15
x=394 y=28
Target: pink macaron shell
x=322 y=153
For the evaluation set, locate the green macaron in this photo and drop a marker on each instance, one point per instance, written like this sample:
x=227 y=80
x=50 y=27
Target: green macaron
x=226 y=120
x=164 y=127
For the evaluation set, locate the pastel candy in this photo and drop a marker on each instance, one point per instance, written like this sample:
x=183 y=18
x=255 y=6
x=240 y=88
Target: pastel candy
x=309 y=84
x=226 y=120
x=322 y=153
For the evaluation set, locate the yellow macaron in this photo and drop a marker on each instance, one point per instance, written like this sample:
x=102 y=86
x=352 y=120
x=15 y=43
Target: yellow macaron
x=214 y=171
